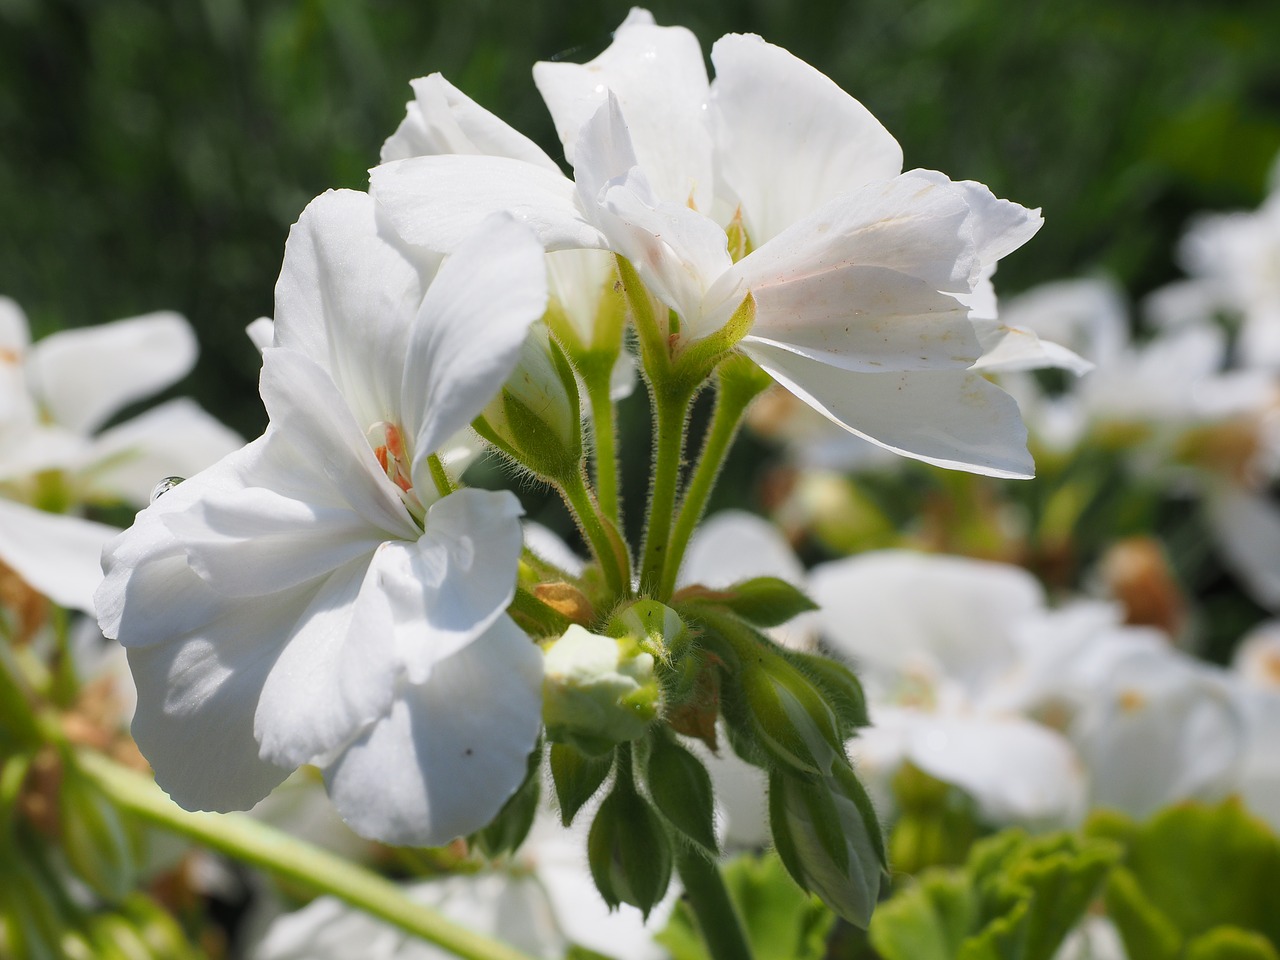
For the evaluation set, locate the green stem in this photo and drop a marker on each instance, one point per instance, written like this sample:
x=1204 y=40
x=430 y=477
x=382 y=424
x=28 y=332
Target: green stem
x=671 y=408
x=534 y=615
x=717 y=919
x=604 y=436
x=740 y=383
x=606 y=543
x=253 y=842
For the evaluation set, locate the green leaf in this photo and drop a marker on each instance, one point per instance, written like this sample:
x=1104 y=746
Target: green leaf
x=781 y=921
x=1209 y=866
x=928 y=920
x=765 y=601
x=1145 y=930
x=577 y=777
x=1231 y=943
x=680 y=788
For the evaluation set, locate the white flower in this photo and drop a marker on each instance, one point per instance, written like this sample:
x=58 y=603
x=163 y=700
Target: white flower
x=312 y=598
x=858 y=270
x=1256 y=672
x=55 y=396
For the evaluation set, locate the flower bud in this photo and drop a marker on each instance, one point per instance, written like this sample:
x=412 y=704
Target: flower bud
x=597 y=691
x=535 y=418
x=780 y=717
x=628 y=849
x=827 y=835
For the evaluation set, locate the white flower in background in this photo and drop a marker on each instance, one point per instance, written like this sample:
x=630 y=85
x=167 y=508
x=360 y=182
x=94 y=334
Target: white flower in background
x=313 y=598
x=539 y=901
x=1234 y=259
x=1256 y=672
x=930 y=636
x=55 y=397
x=858 y=270
x=1036 y=713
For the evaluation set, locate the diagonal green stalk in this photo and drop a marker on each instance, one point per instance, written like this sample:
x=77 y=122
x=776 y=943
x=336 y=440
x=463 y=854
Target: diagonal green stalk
x=260 y=845
x=606 y=543
x=740 y=382
x=718 y=921
x=671 y=408
x=604 y=438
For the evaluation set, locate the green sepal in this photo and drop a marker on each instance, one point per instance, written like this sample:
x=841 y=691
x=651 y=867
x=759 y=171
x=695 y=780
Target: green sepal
x=699 y=358
x=829 y=841
x=680 y=788
x=761 y=601
x=508 y=829
x=840 y=688
x=577 y=777
x=629 y=850
x=784 y=716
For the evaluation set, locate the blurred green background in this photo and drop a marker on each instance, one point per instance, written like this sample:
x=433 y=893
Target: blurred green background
x=154 y=153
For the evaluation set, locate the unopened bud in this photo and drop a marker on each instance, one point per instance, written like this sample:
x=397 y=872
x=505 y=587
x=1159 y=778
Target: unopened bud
x=536 y=418
x=827 y=836
x=597 y=691
x=628 y=849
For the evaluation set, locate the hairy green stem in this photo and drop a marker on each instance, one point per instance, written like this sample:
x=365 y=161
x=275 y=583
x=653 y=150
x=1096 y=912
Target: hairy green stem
x=606 y=543
x=604 y=437
x=740 y=383
x=671 y=410
x=534 y=615
x=718 y=921
x=260 y=845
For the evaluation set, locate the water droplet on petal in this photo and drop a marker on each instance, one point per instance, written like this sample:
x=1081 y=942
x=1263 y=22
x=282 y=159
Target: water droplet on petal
x=164 y=486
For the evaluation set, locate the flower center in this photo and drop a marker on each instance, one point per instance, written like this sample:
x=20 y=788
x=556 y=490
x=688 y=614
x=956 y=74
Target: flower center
x=387 y=440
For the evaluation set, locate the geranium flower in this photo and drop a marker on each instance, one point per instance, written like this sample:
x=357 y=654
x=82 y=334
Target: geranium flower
x=55 y=396
x=315 y=598
x=858 y=271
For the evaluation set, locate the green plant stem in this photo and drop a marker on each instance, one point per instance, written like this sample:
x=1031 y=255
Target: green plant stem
x=671 y=408
x=532 y=613
x=606 y=543
x=604 y=437
x=255 y=843
x=734 y=396
x=718 y=921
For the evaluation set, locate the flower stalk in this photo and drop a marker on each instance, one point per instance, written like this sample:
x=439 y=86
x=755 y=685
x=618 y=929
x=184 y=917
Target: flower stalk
x=255 y=843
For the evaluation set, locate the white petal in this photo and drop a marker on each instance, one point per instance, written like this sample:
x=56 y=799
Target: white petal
x=175 y=439
x=865 y=318
x=451 y=751
x=1016 y=770
x=437 y=202
x=15 y=401
x=950 y=419
x=787 y=138
x=546 y=545
x=335 y=674
x=871 y=611
x=346 y=299
x=1247 y=531
x=84 y=376
x=911 y=225
x=1006 y=348
x=453 y=583
x=998 y=226
x=196 y=699
x=578 y=281
x=58 y=555
x=466 y=339
x=660 y=79
x=441 y=119
x=262 y=333
x=319 y=452
x=27 y=447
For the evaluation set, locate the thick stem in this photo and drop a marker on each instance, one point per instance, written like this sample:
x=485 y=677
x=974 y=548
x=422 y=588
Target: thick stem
x=253 y=842
x=606 y=543
x=740 y=383
x=718 y=921
x=604 y=438
x=671 y=409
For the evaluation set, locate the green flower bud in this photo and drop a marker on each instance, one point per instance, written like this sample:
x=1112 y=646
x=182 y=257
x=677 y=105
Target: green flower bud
x=827 y=835
x=536 y=418
x=840 y=688
x=628 y=849
x=780 y=717
x=597 y=691
x=680 y=788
